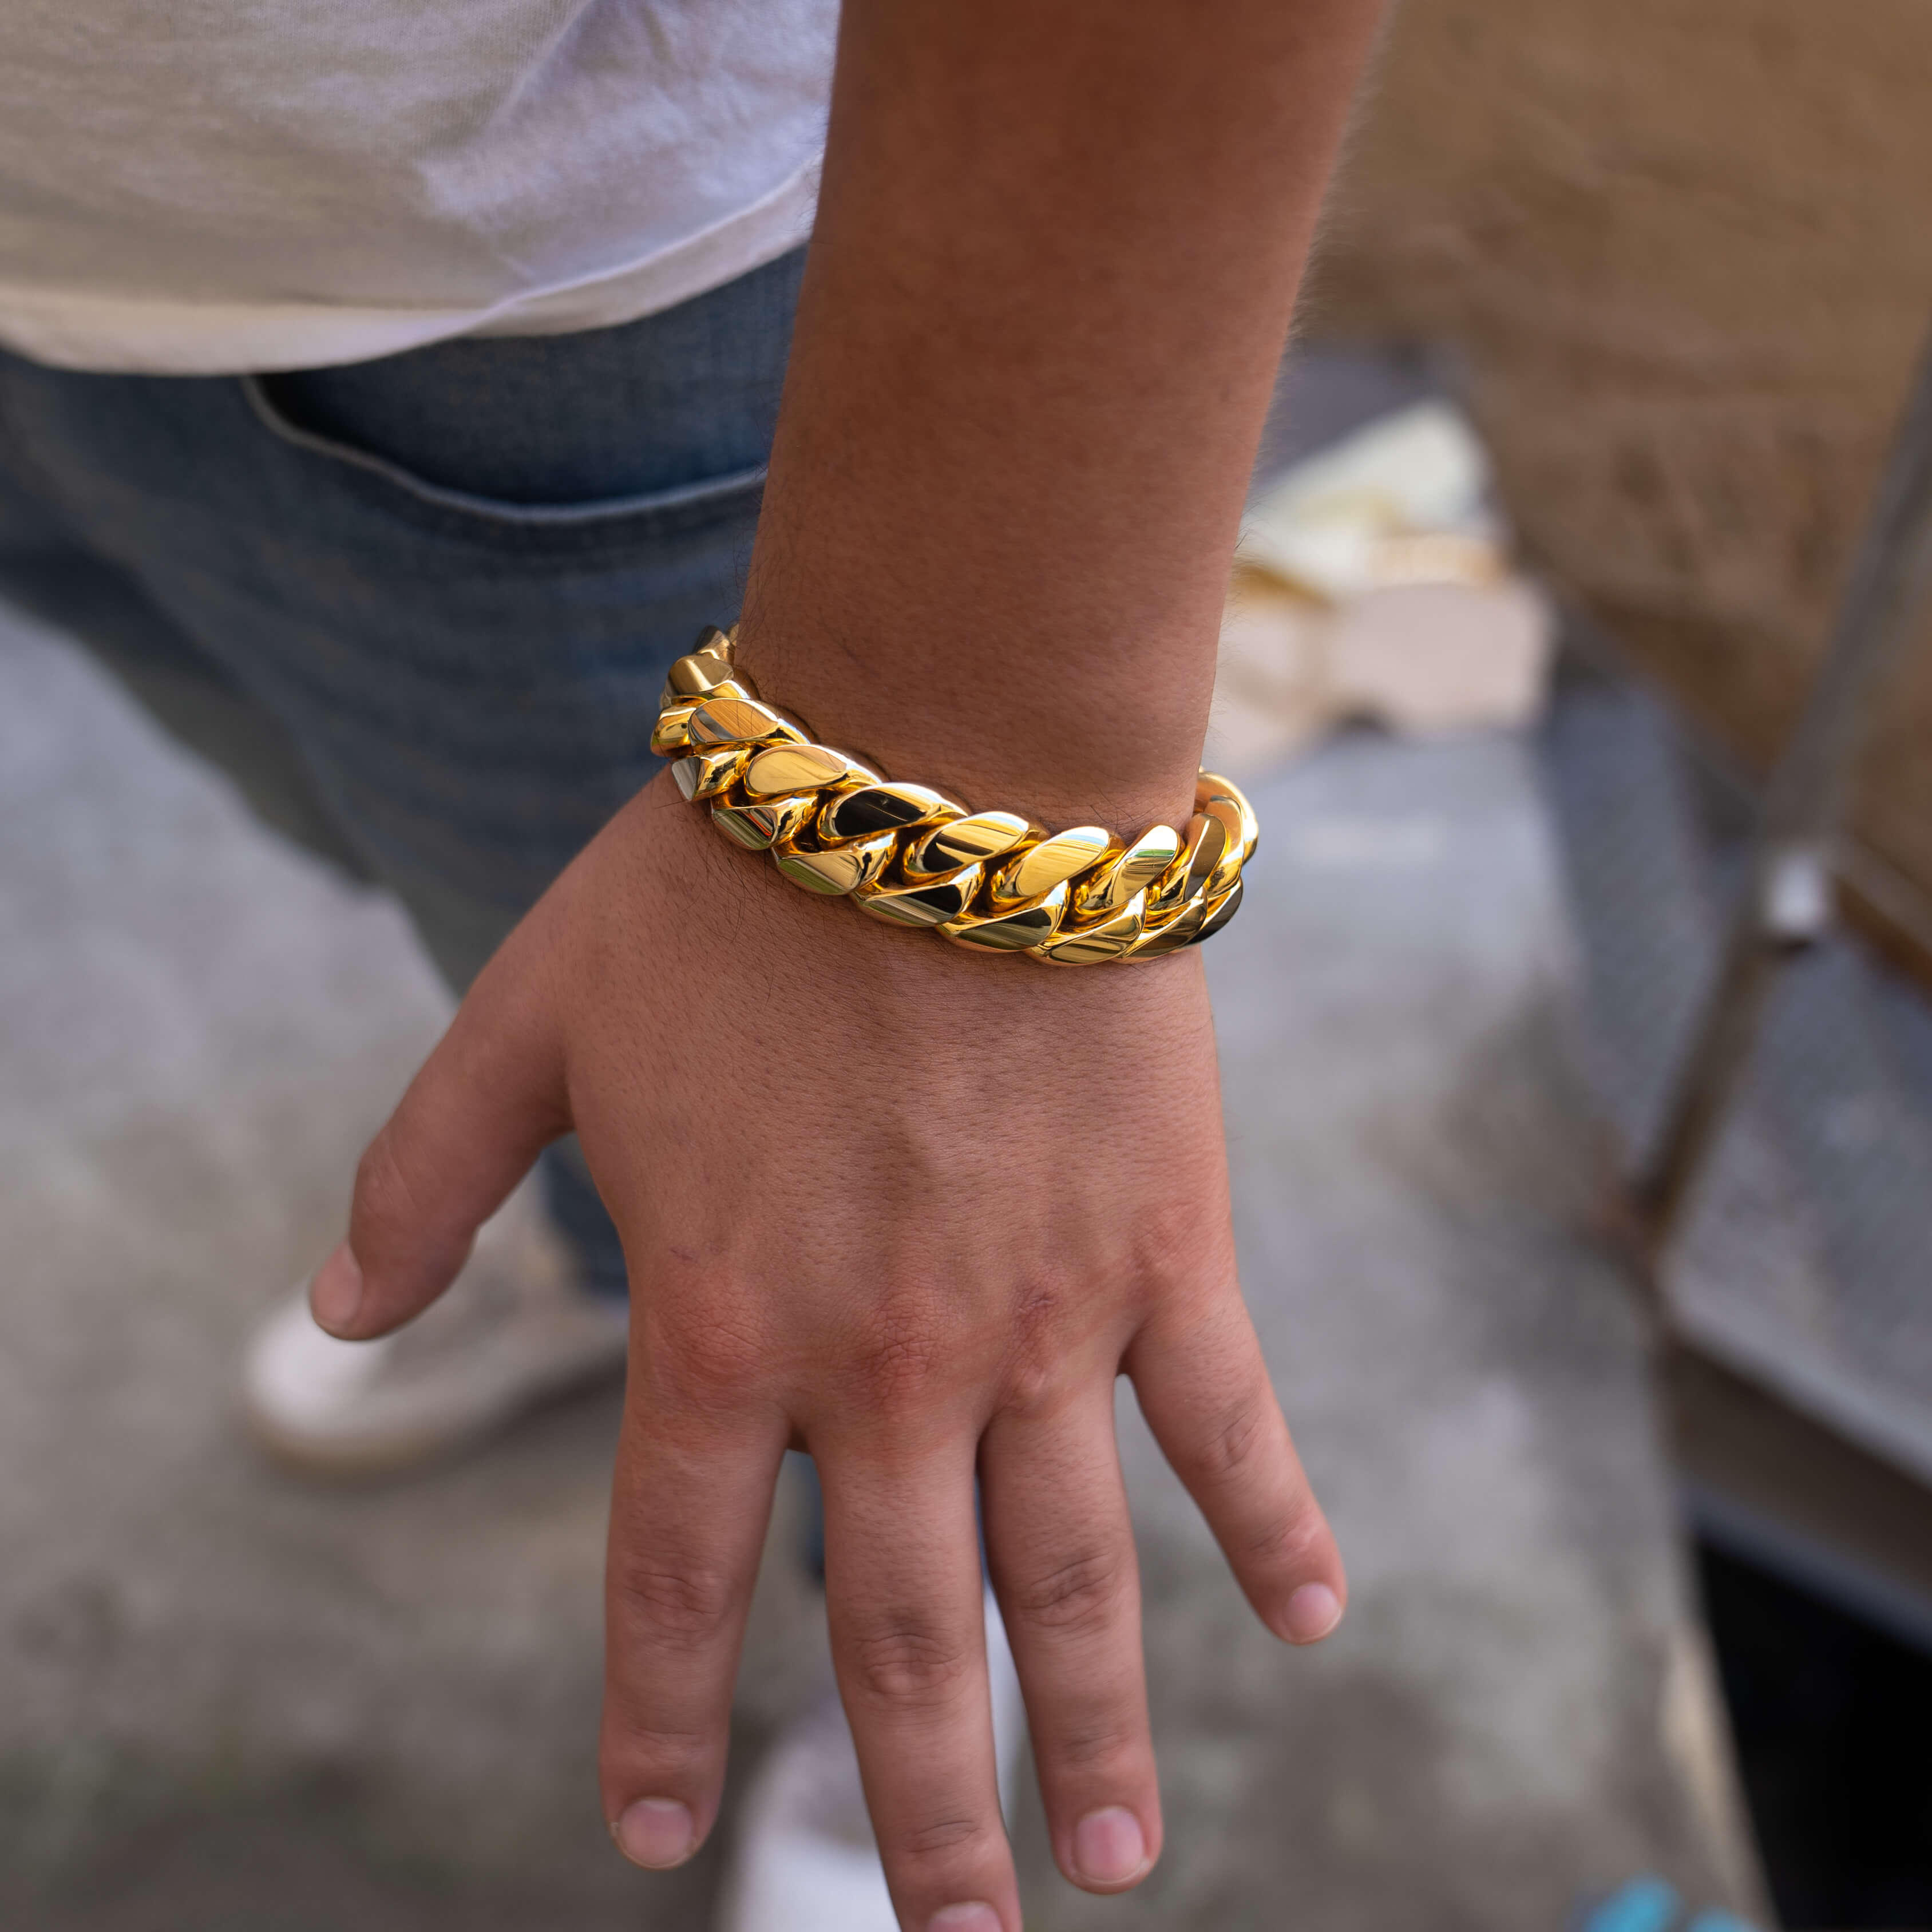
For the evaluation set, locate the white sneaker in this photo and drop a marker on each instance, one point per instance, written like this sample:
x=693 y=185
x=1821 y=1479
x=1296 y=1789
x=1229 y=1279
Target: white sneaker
x=515 y=1327
x=805 y=1860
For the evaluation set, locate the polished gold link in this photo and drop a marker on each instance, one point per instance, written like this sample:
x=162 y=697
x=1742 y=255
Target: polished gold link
x=1211 y=785
x=1096 y=945
x=1184 y=881
x=866 y=810
x=1228 y=867
x=1218 y=912
x=1105 y=893
x=932 y=903
x=1013 y=931
x=739 y=720
x=1033 y=874
x=1208 y=840
x=712 y=642
x=759 y=824
x=728 y=687
x=1169 y=893
x=704 y=775
x=671 y=733
x=966 y=842
x=990 y=881
x=701 y=676
x=1177 y=932
x=895 y=879
x=843 y=869
x=785 y=769
x=1214 y=797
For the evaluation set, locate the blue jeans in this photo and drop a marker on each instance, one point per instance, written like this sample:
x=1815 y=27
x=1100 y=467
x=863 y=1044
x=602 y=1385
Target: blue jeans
x=420 y=609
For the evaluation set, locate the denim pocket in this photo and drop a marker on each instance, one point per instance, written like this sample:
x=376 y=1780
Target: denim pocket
x=606 y=523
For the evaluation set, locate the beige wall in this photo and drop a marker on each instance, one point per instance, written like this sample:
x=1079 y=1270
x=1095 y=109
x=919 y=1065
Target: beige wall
x=1685 y=248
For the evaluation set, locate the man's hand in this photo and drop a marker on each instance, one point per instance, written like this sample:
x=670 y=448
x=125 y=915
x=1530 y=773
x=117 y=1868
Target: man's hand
x=912 y=1209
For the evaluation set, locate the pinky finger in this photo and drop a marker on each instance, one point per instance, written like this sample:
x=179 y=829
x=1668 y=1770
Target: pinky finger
x=1204 y=1387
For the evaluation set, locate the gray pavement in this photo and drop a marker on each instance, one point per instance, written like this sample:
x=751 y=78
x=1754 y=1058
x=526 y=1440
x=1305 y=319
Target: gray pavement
x=230 y=1700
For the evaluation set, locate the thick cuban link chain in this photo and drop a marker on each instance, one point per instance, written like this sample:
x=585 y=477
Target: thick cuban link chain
x=990 y=880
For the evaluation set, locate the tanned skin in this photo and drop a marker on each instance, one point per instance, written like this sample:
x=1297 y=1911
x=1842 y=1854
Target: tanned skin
x=912 y=1209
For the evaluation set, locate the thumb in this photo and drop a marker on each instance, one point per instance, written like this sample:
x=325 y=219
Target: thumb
x=485 y=1104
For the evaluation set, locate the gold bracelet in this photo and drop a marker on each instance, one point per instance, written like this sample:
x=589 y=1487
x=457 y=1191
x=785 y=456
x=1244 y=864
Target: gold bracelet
x=906 y=854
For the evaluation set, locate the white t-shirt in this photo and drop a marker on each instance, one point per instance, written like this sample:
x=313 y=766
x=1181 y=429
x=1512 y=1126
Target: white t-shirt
x=220 y=185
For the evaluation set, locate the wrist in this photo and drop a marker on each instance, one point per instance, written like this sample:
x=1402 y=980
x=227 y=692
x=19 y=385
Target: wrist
x=989 y=879
x=1064 y=743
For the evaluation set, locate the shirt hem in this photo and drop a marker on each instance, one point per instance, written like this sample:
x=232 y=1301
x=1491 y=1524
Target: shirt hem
x=149 y=335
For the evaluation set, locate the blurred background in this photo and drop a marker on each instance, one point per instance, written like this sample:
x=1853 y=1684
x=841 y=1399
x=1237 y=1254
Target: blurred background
x=1594 y=1271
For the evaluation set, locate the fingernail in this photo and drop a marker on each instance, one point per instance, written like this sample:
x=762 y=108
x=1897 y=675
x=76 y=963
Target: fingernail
x=974 y=1917
x=656 y=1833
x=336 y=1292
x=1313 y=1611
x=1108 y=1847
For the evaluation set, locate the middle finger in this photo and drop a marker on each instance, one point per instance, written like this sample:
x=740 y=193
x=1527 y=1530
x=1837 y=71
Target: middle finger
x=904 y=1595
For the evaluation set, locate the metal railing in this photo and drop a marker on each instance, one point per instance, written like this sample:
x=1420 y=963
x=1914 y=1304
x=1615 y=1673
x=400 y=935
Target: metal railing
x=1787 y=899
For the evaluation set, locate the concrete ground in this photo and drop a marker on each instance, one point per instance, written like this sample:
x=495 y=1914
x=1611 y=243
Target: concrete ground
x=231 y=1700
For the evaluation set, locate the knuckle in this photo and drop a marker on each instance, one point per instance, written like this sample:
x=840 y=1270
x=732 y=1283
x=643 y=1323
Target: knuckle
x=1180 y=1250
x=402 y=1247
x=1041 y=1350
x=708 y=1366
x=1080 y=1596
x=1230 y=1447
x=1286 y=1543
x=900 y=1359
x=671 y=1758
x=678 y=1606
x=907 y=1660
x=1038 y=1324
x=1032 y=1388
x=949 y=1833
x=1099 y=1743
x=382 y=1192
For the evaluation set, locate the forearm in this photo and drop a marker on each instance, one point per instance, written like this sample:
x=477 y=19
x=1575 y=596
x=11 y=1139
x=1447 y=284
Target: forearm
x=916 y=1214
x=1057 y=249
